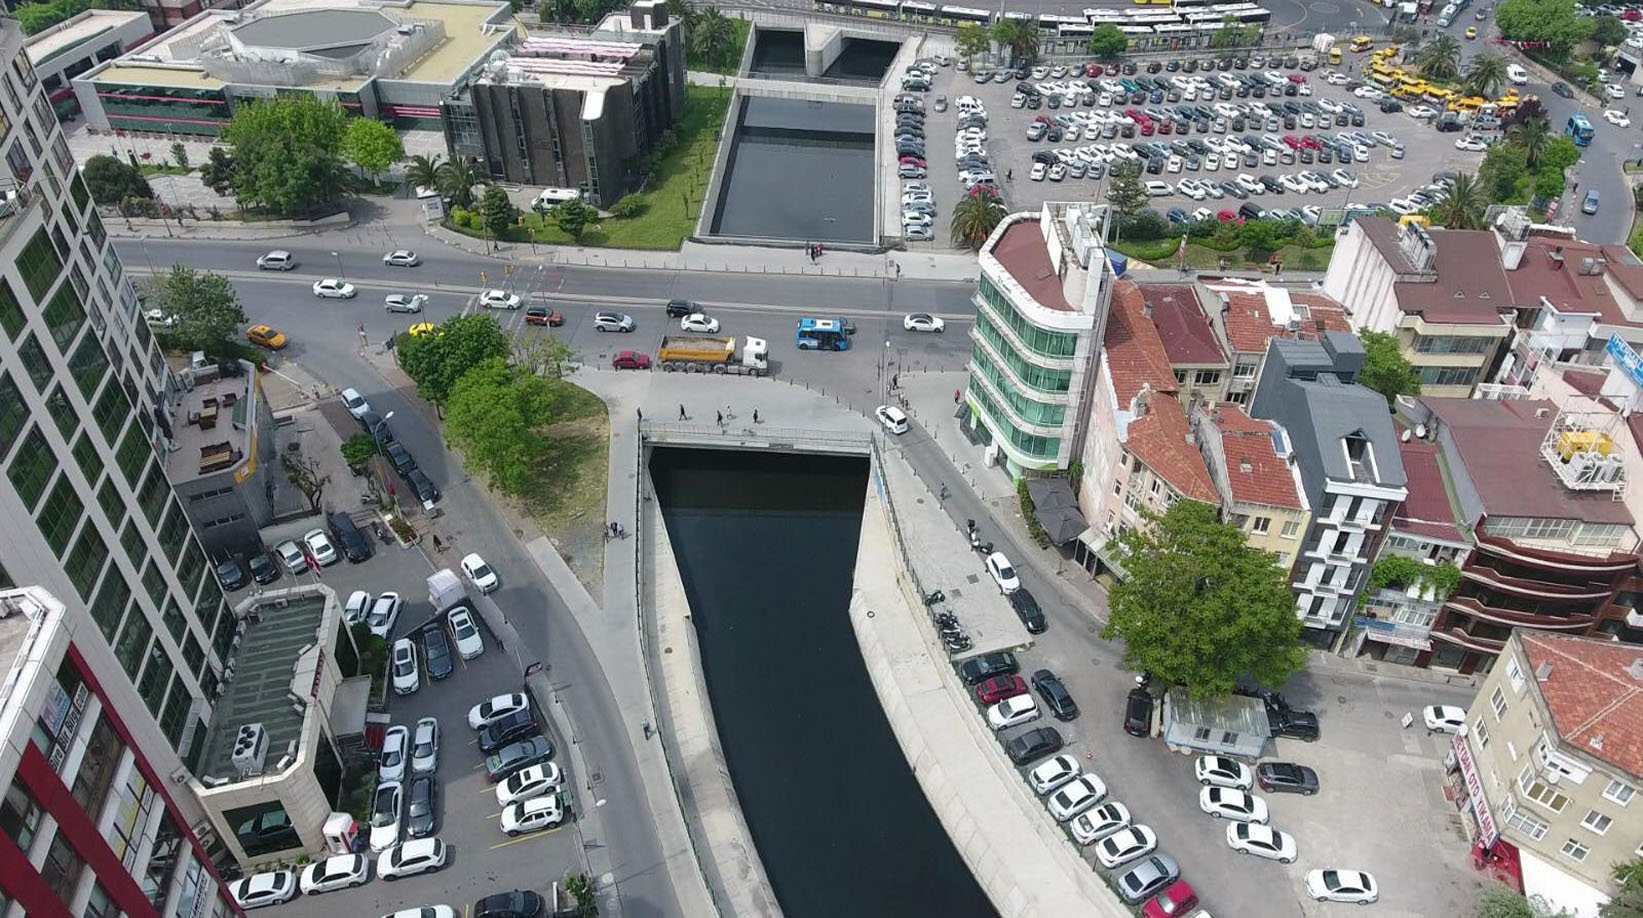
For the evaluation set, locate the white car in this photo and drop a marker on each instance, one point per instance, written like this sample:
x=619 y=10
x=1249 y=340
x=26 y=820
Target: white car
x=407 y=859
x=1075 y=796
x=391 y=761
x=291 y=556
x=893 y=418
x=425 y=747
x=1444 y=718
x=1053 y=773
x=384 y=614
x=332 y=289
x=1012 y=712
x=1292 y=183
x=533 y=815
x=159 y=318
x=1261 y=841
x=1471 y=144
x=469 y=642
x=401 y=258
x=1367 y=92
x=922 y=322
x=1002 y=572
x=340 y=872
x=426 y=911
x=1156 y=189
x=1038 y=172
x=1617 y=118
x=403 y=302
x=359 y=602
x=319 y=545
x=385 y=811
x=1125 y=845
x=496 y=708
x=355 y=403
x=1226 y=803
x=1191 y=189
x=697 y=322
x=277 y=260
x=530 y=782
x=1614 y=90
x=1402 y=206
x=1421 y=112
x=1345 y=178
x=407 y=671
x=1091 y=826
x=1220 y=771
x=916 y=218
x=482 y=575
x=498 y=299
x=1341 y=886
x=273 y=888
x=1336 y=78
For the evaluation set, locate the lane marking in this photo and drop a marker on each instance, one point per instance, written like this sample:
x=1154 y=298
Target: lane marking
x=531 y=837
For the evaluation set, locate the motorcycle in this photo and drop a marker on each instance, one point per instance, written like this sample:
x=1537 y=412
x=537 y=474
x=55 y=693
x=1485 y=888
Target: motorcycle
x=957 y=645
x=934 y=597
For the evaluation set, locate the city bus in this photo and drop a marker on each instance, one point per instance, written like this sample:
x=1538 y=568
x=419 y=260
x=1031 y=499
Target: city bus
x=957 y=15
x=822 y=335
x=1579 y=130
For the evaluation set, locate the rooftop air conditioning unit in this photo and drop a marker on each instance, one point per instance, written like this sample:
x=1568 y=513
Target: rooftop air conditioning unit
x=250 y=749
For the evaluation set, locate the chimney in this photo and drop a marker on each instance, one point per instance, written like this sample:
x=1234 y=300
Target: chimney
x=1556 y=255
x=1146 y=309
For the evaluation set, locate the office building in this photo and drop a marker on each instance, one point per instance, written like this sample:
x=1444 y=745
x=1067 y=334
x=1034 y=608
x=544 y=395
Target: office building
x=79 y=43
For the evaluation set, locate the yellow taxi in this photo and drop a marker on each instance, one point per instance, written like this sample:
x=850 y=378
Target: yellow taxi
x=264 y=336
x=1471 y=31
x=422 y=329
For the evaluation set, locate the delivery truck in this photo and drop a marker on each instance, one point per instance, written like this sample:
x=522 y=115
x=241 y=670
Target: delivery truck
x=445 y=590
x=714 y=354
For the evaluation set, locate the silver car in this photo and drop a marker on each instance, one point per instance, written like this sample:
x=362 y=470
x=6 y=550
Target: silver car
x=425 y=747
x=1148 y=877
x=612 y=322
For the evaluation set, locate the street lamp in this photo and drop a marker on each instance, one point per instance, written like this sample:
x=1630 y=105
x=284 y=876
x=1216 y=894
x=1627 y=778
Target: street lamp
x=340 y=275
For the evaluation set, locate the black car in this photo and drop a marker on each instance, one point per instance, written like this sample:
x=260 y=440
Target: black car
x=516 y=756
x=355 y=546
x=1563 y=90
x=1391 y=105
x=1138 y=712
x=1033 y=745
x=1056 y=697
x=1286 y=778
x=437 y=648
x=509 y=729
x=399 y=457
x=1026 y=608
x=521 y=903
x=986 y=666
x=376 y=427
x=422 y=485
x=231 y=575
x=263 y=568
x=421 y=817
x=1301 y=725
x=1249 y=210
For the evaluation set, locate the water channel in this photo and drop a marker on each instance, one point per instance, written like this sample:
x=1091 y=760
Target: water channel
x=798 y=170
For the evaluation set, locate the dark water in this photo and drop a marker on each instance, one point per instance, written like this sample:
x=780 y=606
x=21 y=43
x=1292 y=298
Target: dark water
x=798 y=170
x=766 y=546
x=779 y=51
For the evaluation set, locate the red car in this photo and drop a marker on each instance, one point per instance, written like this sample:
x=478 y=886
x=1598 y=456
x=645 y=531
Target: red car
x=1165 y=127
x=630 y=360
x=1292 y=142
x=1134 y=114
x=1630 y=15
x=1146 y=129
x=999 y=688
x=1310 y=142
x=1176 y=901
x=1229 y=216
x=911 y=160
x=1094 y=70
x=1297 y=78
x=541 y=315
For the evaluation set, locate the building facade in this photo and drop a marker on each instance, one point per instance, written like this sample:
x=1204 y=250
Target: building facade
x=79 y=43
x=1247 y=314
x=1256 y=477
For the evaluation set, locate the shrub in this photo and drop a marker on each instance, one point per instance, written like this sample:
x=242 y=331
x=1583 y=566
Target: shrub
x=1146 y=225
x=630 y=206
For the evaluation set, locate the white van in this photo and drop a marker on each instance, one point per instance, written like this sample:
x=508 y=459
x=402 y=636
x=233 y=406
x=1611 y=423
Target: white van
x=1517 y=75
x=551 y=196
x=893 y=418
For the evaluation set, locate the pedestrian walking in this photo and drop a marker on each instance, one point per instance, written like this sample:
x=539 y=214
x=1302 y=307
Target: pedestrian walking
x=640 y=413
x=755 y=415
x=682 y=415
x=956 y=396
x=721 y=415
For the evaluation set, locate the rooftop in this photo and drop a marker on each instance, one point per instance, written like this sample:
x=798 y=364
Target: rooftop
x=1253 y=314
x=1499 y=443
x=1469 y=285
x=1255 y=473
x=1593 y=693
x=1135 y=355
x=1325 y=413
x=268 y=659
x=19 y=611
x=212 y=436
x=1551 y=269
x=576 y=61
x=1022 y=252
x=1182 y=326
x=1425 y=511
x=1237 y=713
x=46 y=45
x=1162 y=439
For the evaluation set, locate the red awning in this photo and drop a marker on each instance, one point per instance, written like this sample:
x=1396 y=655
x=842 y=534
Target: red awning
x=1502 y=862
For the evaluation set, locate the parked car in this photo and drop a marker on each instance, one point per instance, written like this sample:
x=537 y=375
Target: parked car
x=1177 y=899
x=1033 y=745
x=1286 y=778
x=391 y=760
x=319 y=547
x=258 y=890
x=1057 y=699
x=469 y=642
x=1012 y=712
x=533 y=815
x=1220 y=771
x=1138 y=712
x=1125 y=845
x=515 y=756
x=521 y=903
x=1343 y=885
x=999 y=688
x=497 y=708
x=425 y=746
x=1226 y=803
x=1052 y=773
x=1076 y=796
x=498 y=733
x=355 y=546
x=483 y=575
x=422 y=807
x=407 y=673
x=385 y=815
x=1261 y=841
x=231 y=575
x=986 y=666
x=529 y=782
x=262 y=566
x=1093 y=825
x=1002 y=572
x=1443 y=718
x=436 y=647
x=384 y=614
x=1148 y=877
x=1301 y=725
x=407 y=859
x=291 y=556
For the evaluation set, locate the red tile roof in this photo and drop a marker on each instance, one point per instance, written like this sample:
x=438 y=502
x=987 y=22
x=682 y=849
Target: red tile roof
x=1182 y=325
x=1159 y=439
x=1587 y=382
x=1471 y=286
x=1254 y=472
x=1596 y=704
x=1249 y=324
x=1425 y=510
x=1539 y=275
x=1135 y=354
x=1022 y=252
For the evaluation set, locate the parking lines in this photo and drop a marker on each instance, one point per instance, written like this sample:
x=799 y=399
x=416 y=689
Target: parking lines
x=526 y=838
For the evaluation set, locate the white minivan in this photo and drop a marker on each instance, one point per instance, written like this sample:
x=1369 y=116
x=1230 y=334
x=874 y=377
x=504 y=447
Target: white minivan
x=1517 y=74
x=551 y=196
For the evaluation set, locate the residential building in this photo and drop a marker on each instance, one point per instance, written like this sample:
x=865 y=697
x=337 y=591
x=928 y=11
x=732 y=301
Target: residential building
x=1442 y=293
x=221 y=456
x=75 y=45
x=1256 y=477
x=1344 y=444
x=1552 y=761
x=578 y=110
x=1247 y=314
x=1195 y=355
x=1554 y=548
x=95 y=822
x=1041 y=310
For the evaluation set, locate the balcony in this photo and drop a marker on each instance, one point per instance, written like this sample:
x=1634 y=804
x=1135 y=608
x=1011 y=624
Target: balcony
x=1458 y=635
x=1594 y=565
x=1470 y=605
x=1493 y=579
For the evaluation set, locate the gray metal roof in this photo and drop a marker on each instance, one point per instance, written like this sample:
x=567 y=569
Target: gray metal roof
x=1234 y=712
x=310 y=29
x=264 y=664
x=1301 y=389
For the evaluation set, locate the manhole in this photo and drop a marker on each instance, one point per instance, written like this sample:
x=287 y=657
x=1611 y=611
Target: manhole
x=596 y=778
x=972 y=578
x=667 y=649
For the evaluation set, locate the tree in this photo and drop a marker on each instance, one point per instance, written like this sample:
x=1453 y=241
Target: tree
x=975 y=216
x=712 y=37
x=1440 y=60
x=1627 y=904
x=1021 y=36
x=1199 y=607
x=207 y=309
x=436 y=362
x=1384 y=368
x=543 y=355
x=972 y=40
x=1124 y=191
x=1534 y=136
x=580 y=889
x=1260 y=237
x=179 y=154
x=305 y=474
x=372 y=146
x=1233 y=35
x=423 y=171
x=217 y=172
x=111 y=181
x=1486 y=74
x=1609 y=31
x=1529 y=109
x=573 y=217
x=457 y=178
x=1552 y=22
x=497 y=211
x=1560 y=154
x=1504 y=167
x=1463 y=208
x=493 y=416
x=1500 y=902
x=287 y=155
x=1107 y=42
x=358 y=449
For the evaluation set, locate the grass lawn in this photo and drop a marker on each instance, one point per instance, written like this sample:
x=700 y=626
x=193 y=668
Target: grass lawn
x=671 y=202
x=568 y=501
x=733 y=54
x=1161 y=253
x=163 y=170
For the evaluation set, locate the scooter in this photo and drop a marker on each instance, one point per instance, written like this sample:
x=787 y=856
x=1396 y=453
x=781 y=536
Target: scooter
x=946 y=618
x=934 y=597
x=957 y=645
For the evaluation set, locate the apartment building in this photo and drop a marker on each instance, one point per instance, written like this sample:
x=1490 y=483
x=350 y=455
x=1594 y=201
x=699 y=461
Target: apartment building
x=1442 y=293
x=1195 y=354
x=1346 y=449
x=1551 y=763
x=79 y=43
x=1247 y=314
x=1041 y=310
x=1255 y=474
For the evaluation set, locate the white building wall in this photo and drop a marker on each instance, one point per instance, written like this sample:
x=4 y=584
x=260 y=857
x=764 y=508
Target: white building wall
x=1361 y=280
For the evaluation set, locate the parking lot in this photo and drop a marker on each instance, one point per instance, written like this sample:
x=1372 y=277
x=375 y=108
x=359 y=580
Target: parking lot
x=1381 y=179
x=482 y=860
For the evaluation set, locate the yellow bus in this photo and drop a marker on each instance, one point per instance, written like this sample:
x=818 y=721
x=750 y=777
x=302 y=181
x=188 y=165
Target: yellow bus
x=1466 y=104
x=1335 y=56
x=1362 y=43
x=1382 y=77
x=1437 y=95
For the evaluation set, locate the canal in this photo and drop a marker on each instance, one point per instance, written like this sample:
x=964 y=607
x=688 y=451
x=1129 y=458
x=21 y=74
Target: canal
x=798 y=170
x=766 y=547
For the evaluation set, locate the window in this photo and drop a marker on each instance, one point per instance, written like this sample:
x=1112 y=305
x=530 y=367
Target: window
x=1596 y=822
x=1244 y=370
x=194 y=654
x=1481 y=731
x=35 y=362
x=97 y=767
x=1449 y=376
x=133 y=453
x=1514 y=674
x=88 y=366
x=133 y=641
x=31 y=468
x=61 y=871
x=110 y=605
x=1523 y=822
x=1207 y=378
x=82 y=197
x=64 y=316
x=154 y=492
x=131 y=539
x=1539 y=791
x=154 y=583
x=19 y=815
x=60 y=514
x=175 y=711
x=62 y=412
x=39 y=264
x=174 y=620
x=1620 y=792
x=1575 y=851
x=91 y=465
x=14 y=412
x=152 y=684
x=1497 y=701
x=11 y=311
x=174 y=531
x=1290 y=529
x=98 y=904
x=1453 y=344
x=111 y=412
x=1261 y=525
x=85 y=562
x=1155 y=486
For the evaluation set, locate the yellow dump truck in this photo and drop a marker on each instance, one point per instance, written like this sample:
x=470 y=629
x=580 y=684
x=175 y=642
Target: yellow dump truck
x=714 y=354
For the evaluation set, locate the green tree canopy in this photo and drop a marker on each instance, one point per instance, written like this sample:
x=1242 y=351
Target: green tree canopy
x=1608 y=31
x=1463 y=208
x=1233 y=35
x=497 y=211
x=217 y=172
x=1261 y=237
x=493 y=416
x=372 y=146
x=1384 y=368
x=1107 y=42
x=1551 y=21
x=975 y=216
x=1559 y=155
x=111 y=180
x=1124 y=190
x=1021 y=36
x=457 y=178
x=1199 y=607
x=287 y=155
x=573 y=217
x=207 y=309
x=437 y=361
x=972 y=39
x=1500 y=902
x=1485 y=74
x=1504 y=166
x=1439 y=60
x=712 y=37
